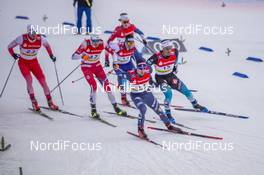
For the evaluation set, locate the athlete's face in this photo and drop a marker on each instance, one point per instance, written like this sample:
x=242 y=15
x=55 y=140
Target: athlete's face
x=95 y=43
x=141 y=69
x=141 y=72
x=130 y=45
x=125 y=23
x=32 y=34
x=166 y=51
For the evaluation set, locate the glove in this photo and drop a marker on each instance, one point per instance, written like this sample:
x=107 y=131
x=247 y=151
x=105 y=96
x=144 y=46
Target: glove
x=144 y=41
x=116 y=66
x=107 y=63
x=53 y=58
x=175 y=70
x=85 y=57
x=16 y=56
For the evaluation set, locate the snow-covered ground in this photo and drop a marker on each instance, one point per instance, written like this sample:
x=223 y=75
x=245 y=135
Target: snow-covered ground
x=120 y=153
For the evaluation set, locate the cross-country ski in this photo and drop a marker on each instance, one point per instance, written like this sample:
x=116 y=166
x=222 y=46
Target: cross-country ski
x=211 y=112
x=130 y=116
x=40 y=113
x=185 y=133
x=62 y=111
x=145 y=139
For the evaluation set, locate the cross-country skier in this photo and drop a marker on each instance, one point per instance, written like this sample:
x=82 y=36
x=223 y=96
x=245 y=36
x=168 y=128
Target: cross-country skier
x=123 y=56
x=142 y=96
x=29 y=44
x=121 y=31
x=165 y=63
x=89 y=52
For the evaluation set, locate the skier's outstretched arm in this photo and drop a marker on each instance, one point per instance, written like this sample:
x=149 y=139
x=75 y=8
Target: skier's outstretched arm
x=141 y=34
x=151 y=61
x=176 y=62
x=78 y=53
x=13 y=44
x=138 y=57
x=46 y=45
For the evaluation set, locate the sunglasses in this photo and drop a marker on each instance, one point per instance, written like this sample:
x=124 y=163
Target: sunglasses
x=142 y=67
x=130 y=43
x=167 y=48
x=95 y=41
x=125 y=22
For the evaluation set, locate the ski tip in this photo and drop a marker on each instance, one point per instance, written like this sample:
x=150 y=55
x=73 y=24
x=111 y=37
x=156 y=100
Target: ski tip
x=216 y=138
x=243 y=117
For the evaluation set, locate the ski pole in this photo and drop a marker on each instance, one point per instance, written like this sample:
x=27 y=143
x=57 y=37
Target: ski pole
x=7 y=78
x=66 y=77
x=55 y=67
x=145 y=45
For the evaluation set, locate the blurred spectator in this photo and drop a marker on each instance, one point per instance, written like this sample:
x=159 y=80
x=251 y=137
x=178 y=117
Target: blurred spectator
x=84 y=6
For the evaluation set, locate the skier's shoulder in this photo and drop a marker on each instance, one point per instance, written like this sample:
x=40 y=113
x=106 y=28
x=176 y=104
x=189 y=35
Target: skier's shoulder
x=153 y=59
x=118 y=29
x=132 y=73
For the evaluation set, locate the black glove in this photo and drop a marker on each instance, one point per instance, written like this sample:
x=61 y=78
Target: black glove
x=16 y=56
x=107 y=63
x=175 y=69
x=145 y=42
x=53 y=58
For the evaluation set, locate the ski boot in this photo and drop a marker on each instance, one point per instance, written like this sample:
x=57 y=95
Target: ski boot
x=119 y=111
x=52 y=105
x=141 y=133
x=94 y=113
x=35 y=105
x=168 y=114
x=199 y=107
x=34 y=102
x=124 y=100
x=173 y=128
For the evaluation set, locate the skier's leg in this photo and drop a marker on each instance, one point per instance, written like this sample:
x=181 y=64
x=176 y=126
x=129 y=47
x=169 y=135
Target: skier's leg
x=139 y=103
x=79 y=18
x=122 y=84
x=107 y=61
x=166 y=90
x=88 y=74
x=91 y=81
x=178 y=85
x=100 y=74
x=153 y=103
x=25 y=71
x=38 y=73
x=88 y=12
